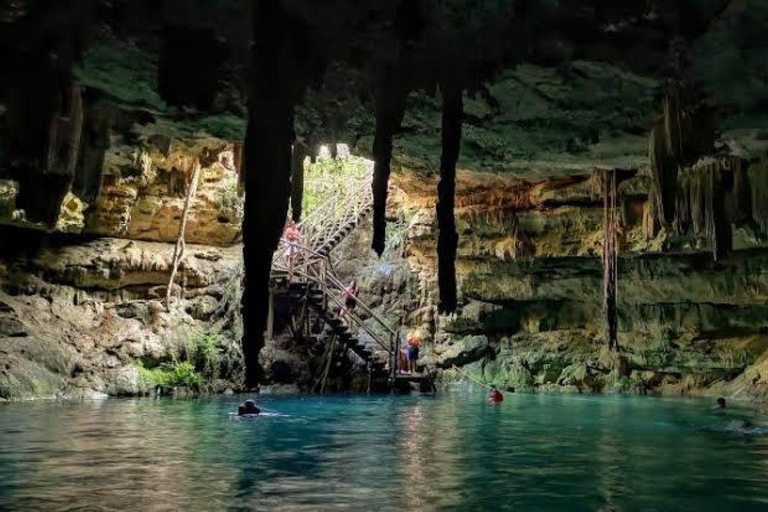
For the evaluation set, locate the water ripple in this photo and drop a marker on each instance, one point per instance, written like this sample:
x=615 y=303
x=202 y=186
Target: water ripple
x=453 y=452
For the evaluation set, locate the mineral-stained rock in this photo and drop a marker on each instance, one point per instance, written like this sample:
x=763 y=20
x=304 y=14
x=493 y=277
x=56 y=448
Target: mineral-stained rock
x=79 y=317
x=144 y=200
x=460 y=351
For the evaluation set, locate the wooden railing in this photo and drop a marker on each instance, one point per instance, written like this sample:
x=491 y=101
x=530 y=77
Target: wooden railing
x=325 y=226
x=307 y=261
x=312 y=267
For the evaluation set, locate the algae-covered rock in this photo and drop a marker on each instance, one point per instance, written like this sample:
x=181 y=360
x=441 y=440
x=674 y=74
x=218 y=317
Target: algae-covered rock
x=459 y=352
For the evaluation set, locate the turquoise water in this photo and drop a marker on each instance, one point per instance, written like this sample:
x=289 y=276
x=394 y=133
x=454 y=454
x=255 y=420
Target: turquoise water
x=450 y=452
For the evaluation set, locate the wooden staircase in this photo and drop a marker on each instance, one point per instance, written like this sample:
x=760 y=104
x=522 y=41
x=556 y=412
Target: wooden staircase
x=344 y=230
x=305 y=270
x=315 y=298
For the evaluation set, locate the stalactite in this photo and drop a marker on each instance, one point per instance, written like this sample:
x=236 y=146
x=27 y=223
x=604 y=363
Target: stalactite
x=610 y=260
x=45 y=107
x=684 y=133
x=742 y=192
x=43 y=188
x=651 y=225
x=183 y=52
x=701 y=205
x=390 y=109
x=719 y=226
x=758 y=179
x=281 y=54
x=237 y=160
x=664 y=169
x=94 y=144
x=673 y=124
x=297 y=180
x=683 y=216
x=447 y=241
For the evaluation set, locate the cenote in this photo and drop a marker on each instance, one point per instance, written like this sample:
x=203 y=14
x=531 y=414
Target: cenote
x=452 y=451
x=372 y=217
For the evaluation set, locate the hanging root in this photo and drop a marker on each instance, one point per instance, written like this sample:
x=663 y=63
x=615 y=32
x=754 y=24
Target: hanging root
x=610 y=260
x=181 y=244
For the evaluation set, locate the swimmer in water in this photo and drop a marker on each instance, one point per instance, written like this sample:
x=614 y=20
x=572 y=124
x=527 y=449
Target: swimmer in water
x=248 y=408
x=495 y=397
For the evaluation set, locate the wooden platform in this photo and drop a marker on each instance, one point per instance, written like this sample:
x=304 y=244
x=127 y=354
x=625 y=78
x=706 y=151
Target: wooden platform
x=414 y=378
x=422 y=383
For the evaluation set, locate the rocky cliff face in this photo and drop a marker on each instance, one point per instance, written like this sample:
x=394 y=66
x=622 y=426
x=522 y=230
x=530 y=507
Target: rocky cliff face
x=82 y=318
x=81 y=302
x=143 y=190
x=138 y=97
x=530 y=279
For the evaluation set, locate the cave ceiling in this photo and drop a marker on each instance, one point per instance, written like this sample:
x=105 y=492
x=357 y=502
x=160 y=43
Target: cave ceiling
x=552 y=86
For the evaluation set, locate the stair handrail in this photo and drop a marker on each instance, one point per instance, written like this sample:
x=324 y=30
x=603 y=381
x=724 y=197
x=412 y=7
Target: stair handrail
x=358 y=321
x=332 y=287
x=340 y=287
x=320 y=227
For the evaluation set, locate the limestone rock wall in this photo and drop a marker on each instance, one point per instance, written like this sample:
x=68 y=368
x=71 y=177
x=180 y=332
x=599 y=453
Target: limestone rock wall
x=531 y=287
x=83 y=318
x=142 y=193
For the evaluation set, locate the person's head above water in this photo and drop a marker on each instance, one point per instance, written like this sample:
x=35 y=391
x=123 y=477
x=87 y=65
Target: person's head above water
x=721 y=402
x=248 y=407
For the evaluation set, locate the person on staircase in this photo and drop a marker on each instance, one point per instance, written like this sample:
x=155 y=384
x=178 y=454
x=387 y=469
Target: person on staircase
x=292 y=236
x=414 y=345
x=350 y=294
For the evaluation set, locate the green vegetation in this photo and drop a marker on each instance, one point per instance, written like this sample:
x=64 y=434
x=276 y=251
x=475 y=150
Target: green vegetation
x=127 y=74
x=578 y=113
x=224 y=126
x=196 y=364
x=324 y=178
x=583 y=112
x=123 y=71
x=230 y=201
x=169 y=376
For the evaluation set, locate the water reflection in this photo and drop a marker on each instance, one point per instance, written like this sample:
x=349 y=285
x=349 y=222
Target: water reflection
x=380 y=453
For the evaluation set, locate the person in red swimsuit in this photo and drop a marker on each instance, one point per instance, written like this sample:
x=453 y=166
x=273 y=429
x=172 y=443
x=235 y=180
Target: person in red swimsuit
x=293 y=237
x=495 y=397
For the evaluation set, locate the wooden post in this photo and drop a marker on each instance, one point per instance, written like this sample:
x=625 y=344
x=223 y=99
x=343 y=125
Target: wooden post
x=324 y=287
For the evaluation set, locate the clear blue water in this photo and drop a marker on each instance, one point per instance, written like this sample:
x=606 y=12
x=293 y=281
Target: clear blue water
x=450 y=452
